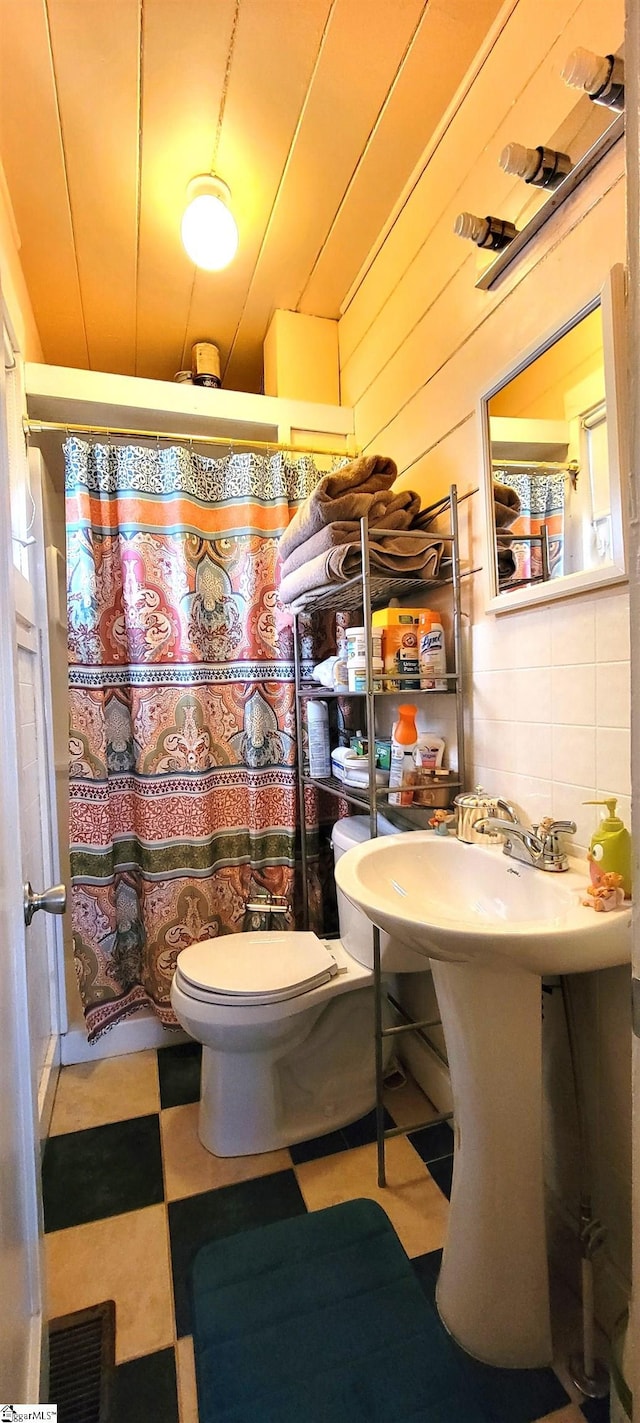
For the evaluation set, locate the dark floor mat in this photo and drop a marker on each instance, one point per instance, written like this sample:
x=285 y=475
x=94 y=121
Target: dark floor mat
x=82 y=1364
x=320 y=1317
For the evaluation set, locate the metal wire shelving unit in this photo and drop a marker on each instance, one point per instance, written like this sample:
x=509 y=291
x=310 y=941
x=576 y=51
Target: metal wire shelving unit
x=367 y=591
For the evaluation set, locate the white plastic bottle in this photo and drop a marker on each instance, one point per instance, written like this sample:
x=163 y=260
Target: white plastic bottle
x=318 y=734
x=404 y=740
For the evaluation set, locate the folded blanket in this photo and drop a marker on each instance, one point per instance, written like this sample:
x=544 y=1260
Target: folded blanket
x=399 y=515
x=348 y=493
x=394 y=553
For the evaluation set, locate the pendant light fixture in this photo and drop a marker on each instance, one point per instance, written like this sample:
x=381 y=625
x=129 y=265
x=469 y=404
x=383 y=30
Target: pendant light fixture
x=209 y=231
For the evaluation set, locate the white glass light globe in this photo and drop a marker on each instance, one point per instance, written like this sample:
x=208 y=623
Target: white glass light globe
x=209 y=231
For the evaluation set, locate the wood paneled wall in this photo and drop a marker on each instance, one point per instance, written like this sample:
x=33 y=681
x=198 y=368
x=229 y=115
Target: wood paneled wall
x=549 y=703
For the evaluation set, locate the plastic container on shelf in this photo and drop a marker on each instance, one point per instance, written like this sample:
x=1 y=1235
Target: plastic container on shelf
x=399 y=646
x=400 y=657
x=429 y=750
x=357 y=643
x=341 y=674
x=357 y=672
x=391 y=616
x=353 y=769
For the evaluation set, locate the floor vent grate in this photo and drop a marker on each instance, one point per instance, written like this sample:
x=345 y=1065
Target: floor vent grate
x=82 y=1363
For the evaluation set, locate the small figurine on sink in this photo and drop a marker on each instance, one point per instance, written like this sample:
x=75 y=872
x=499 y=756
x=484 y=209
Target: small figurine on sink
x=607 y=894
x=440 y=821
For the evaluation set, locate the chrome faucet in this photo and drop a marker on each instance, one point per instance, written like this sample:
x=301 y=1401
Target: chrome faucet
x=538 y=846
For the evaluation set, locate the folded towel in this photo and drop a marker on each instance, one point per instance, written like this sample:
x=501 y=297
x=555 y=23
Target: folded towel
x=506 y=507
x=348 y=493
x=392 y=553
x=506 y=504
x=397 y=509
x=343 y=531
x=506 y=564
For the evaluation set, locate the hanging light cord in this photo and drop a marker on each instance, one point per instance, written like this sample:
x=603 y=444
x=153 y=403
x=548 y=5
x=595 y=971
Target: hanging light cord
x=214 y=156
x=225 y=86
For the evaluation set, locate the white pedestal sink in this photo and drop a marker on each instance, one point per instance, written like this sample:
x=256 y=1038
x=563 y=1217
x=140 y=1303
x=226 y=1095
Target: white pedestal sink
x=491 y=927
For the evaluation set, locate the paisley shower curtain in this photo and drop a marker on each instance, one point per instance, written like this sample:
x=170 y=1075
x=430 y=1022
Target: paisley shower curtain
x=542 y=501
x=182 y=715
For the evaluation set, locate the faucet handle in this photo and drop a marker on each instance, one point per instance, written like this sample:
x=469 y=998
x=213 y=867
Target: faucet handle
x=549 y=830
x=504 y=805
x=558 y=827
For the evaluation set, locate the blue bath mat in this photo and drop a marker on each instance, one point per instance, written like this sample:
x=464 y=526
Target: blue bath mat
x=320 y=1319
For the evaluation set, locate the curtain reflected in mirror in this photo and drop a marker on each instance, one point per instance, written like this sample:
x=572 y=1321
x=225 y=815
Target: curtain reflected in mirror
x=533 y=548
x=553 y=467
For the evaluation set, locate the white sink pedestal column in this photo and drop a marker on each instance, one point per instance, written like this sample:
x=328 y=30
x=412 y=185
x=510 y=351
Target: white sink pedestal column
x=493 y=1291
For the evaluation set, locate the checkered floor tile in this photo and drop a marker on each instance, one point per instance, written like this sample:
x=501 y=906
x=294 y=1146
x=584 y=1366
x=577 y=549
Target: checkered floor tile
x=130 y=1195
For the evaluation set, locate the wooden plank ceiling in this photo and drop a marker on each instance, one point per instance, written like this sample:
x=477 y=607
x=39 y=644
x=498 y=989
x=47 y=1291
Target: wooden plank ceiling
x=109 y=107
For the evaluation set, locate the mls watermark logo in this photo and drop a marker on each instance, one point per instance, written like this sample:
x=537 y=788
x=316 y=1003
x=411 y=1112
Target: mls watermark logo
x=36 y=1412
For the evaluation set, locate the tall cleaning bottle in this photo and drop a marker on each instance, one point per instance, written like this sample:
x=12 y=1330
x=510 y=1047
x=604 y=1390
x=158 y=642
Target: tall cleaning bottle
x=431 y=652
x=610 y=848
x=318 y=734
x=404 y=740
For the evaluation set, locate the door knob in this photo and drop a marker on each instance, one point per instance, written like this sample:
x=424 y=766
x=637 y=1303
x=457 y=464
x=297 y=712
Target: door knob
x=53 y=901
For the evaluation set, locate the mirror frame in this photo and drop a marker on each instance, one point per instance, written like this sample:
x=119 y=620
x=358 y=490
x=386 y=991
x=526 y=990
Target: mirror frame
x=612 y=301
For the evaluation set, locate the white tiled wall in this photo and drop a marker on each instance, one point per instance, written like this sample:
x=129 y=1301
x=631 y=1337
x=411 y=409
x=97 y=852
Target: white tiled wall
x=550 y=697
x=551 y=708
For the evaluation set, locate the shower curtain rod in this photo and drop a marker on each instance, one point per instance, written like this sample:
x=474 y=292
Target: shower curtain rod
x=561 y=466
x=35 y=427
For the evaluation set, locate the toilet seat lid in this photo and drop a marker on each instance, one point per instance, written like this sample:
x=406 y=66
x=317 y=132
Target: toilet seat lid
x=258 y=967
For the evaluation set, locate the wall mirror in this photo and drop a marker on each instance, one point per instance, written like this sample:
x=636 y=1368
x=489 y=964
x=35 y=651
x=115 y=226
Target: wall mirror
x=554 y=440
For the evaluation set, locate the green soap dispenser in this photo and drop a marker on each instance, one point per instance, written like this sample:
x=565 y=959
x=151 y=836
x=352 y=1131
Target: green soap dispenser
x=610 y=848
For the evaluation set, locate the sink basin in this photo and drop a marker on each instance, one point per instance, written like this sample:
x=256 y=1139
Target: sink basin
x=461 y=902
x=491 y=927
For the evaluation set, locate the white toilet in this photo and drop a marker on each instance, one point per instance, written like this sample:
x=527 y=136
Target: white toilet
x=286 y=1022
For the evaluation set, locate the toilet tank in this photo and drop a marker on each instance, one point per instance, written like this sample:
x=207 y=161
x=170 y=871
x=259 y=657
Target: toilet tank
x=356 y=931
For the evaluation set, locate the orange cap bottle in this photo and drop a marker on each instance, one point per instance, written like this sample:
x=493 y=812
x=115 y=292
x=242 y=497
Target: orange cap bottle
x=404 y=730
x=404 y=740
